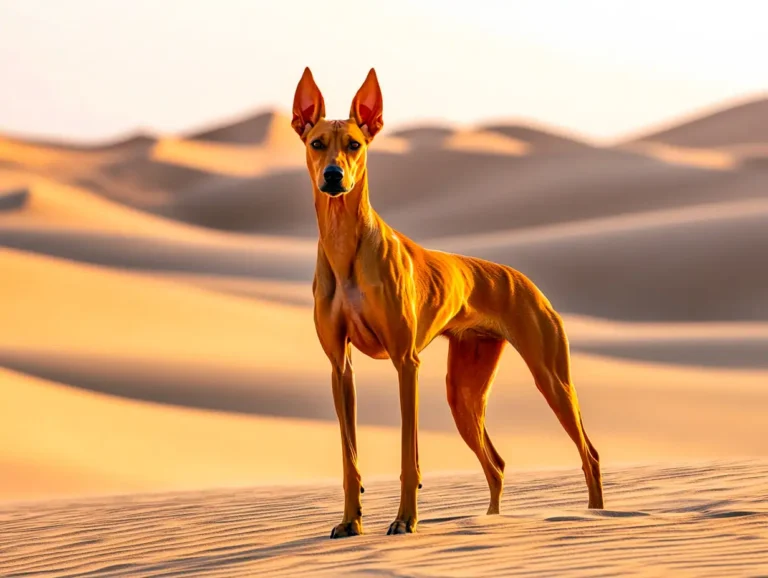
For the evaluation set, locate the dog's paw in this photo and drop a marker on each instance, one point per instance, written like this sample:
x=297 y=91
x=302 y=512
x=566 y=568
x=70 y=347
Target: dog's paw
x=346 y=529
x=401 y=527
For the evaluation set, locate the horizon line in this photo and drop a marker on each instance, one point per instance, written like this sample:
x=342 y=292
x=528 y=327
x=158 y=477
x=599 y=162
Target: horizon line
x=697 y=113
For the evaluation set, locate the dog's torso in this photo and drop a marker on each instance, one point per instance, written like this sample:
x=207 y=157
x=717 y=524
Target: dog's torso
x=393 y=291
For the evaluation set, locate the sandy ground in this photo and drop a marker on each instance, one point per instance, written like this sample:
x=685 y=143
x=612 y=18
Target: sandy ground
x=685 y=520
x=157 y=335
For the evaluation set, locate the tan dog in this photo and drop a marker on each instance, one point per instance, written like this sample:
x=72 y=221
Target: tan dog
x=381 y=292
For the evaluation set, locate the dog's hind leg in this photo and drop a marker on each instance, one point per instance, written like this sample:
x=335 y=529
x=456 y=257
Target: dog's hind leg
x=537 y=333
x=472 y=363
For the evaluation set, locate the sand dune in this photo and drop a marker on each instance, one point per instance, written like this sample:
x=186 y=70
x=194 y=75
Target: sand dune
x=158 y=335
x=123 y=171
x=150 y=446
x=425 y=136
x=543 y=204
x=82 y=443
x=133 y=306
x=695 y=157
x=68 y=160
x=44 y=216
x=432 y=192
x=633 y=409
x=285 y=259
x=644 y=267
x=13 y=199
x=245 y=149
x=166 y=341
x=458 y=184
x=744 y=123
x=227 y=159
x=536 y=140
x=582 y=263
x=737 y=345
x=488 y=142
x=49 y=205
x=267 y=290
x=687 y=520
x=132 y=141
x=151 y=184
x=541 y=140
x=472 y=195
x=255 y=129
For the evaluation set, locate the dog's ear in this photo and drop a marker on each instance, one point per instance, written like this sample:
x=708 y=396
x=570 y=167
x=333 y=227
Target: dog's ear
x=368 y=106
x=308 y=104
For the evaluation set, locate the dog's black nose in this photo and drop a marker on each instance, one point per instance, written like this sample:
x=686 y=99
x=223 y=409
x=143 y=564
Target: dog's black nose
x=333 y=174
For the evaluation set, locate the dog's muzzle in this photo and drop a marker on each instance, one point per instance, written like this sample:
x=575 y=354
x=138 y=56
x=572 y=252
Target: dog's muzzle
x=333 y=175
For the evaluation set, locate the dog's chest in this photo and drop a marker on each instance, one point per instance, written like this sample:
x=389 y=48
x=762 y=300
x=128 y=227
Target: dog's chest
x=350 y=297
x=353 y=305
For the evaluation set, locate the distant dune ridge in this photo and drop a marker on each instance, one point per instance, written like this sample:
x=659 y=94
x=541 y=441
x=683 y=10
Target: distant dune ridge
x=249 y=130
x=743 y=124
x=156 y=307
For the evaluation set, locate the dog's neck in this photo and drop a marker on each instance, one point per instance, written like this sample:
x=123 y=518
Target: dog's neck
x=343 y=223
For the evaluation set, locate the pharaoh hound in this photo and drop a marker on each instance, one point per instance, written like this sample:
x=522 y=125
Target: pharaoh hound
x=376 y=289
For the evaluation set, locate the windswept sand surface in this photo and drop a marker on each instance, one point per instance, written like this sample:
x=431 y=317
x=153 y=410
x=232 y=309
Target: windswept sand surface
x=686 y=520
x=157 y=335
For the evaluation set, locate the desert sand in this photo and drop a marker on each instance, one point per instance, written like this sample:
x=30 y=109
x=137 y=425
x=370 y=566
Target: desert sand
x=692 y=520
x=162 y=391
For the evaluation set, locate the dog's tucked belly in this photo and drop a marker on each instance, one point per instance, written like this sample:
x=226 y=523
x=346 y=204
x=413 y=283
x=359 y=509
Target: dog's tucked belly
x=359 y=332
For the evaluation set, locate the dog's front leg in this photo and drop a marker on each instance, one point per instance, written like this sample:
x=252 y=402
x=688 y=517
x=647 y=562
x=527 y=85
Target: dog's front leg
x=410 y=476
x=344 y=398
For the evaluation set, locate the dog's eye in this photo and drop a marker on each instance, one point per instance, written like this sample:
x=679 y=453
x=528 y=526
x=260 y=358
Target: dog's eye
x=354 y=145
x=317 y=144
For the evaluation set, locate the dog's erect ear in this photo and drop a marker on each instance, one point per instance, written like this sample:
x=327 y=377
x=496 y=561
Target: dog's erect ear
x=308 y=104
x=368 y=106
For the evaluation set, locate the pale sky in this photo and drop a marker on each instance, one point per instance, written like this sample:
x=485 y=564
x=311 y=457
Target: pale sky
x=97 y=69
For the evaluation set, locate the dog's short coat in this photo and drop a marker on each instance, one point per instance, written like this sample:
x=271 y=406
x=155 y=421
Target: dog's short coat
x=377 y=290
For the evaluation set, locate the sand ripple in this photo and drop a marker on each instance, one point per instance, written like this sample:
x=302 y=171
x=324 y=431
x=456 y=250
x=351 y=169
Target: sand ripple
x=695 y=520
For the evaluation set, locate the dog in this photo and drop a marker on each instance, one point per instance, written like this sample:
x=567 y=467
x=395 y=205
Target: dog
x=376 y=289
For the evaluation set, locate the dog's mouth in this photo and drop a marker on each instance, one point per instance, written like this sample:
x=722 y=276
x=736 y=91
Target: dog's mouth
x=334 y=189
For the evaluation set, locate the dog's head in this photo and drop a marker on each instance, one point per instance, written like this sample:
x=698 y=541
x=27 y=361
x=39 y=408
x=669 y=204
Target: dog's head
x=336 y=149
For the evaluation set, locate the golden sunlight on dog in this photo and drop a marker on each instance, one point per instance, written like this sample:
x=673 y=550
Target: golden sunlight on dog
x=377 y=290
